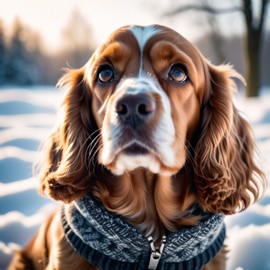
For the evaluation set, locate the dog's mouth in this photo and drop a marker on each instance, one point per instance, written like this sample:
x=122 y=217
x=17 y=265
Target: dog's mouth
x=120 y=158
x=133 y=155
x=136 y=148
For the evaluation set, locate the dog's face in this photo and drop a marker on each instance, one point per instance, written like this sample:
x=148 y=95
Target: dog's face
x=146 y=97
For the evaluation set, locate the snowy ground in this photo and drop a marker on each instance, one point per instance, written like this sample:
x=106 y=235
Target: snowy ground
x=27 y=115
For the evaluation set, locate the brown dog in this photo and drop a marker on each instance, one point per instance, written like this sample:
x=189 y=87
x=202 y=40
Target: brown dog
x=148 y=156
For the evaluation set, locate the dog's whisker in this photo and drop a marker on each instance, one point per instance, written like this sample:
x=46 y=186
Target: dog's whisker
x=90 y=155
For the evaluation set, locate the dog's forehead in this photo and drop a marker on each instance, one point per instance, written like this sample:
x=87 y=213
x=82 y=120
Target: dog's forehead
x=143 y=34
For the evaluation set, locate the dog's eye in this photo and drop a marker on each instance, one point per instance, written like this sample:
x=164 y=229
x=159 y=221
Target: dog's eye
x=105 y=74
x=177 y=73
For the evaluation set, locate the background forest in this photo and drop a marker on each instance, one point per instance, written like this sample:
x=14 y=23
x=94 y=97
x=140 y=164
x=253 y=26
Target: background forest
x=25 y=61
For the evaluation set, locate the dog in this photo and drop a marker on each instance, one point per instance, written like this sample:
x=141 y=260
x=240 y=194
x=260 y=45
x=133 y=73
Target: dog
x=148 y=156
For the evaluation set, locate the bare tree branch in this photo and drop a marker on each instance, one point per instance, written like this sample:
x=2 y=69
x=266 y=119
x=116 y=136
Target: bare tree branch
x=203 y=8
x=247 y=4
x=263 y=9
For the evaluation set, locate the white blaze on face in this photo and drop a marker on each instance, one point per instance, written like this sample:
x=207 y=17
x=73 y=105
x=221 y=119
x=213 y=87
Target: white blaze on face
x=142 y=35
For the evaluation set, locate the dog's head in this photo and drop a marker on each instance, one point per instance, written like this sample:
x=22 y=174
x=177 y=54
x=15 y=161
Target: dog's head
x=148 y=99
x=146 y=95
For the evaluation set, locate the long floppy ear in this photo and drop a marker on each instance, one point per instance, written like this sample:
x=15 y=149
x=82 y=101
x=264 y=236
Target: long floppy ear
x=226 y=176
x=65 y=173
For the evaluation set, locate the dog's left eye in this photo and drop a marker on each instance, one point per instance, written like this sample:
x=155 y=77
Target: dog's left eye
x=105 y=74
x=177 y=73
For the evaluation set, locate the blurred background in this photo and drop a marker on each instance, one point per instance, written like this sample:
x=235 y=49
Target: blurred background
x=39 y=38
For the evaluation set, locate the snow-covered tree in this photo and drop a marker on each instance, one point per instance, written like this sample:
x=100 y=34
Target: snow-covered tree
x=19 y=67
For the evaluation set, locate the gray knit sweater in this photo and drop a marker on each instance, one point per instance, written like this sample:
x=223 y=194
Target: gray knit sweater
x=108 y=241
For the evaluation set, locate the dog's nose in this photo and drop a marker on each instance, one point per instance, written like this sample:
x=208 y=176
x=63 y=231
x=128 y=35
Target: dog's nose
x=135 y=109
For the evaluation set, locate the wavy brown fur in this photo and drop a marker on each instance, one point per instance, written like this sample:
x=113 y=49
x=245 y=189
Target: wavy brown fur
x=226 y=173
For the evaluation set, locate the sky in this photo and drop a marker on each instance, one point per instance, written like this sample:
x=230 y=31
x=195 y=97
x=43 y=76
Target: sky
x=50 y=17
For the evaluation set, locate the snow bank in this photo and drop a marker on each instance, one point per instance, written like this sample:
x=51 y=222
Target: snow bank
x=27 y=115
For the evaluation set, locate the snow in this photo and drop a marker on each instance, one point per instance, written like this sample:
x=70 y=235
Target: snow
x=26 y=117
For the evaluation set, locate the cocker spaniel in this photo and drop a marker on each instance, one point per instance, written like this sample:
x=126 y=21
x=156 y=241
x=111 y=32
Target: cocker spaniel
x=148 y=156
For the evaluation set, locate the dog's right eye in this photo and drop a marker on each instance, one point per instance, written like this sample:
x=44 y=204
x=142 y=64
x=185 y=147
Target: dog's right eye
x=105 y=74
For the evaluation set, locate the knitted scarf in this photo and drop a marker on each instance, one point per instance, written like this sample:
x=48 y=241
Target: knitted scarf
x=108 y=241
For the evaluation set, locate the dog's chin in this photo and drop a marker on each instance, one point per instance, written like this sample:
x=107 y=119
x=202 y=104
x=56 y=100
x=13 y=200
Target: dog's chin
x=135 y=157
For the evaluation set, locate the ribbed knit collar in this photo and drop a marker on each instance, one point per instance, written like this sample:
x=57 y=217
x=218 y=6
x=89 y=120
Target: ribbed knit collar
x=108 y=241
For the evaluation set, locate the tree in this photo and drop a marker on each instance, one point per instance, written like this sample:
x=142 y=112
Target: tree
x=253 y=45
x=253 y=41
x=79 y=42
x=2 y=53
x=19 y=67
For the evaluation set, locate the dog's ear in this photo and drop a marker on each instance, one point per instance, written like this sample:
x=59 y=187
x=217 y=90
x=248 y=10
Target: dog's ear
x=226 y=176
x=66 y=171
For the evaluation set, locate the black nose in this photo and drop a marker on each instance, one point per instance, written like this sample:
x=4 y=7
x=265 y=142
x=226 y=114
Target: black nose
x=135 y=109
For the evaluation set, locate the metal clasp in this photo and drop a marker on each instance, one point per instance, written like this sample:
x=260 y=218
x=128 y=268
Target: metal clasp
x=156 y=252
